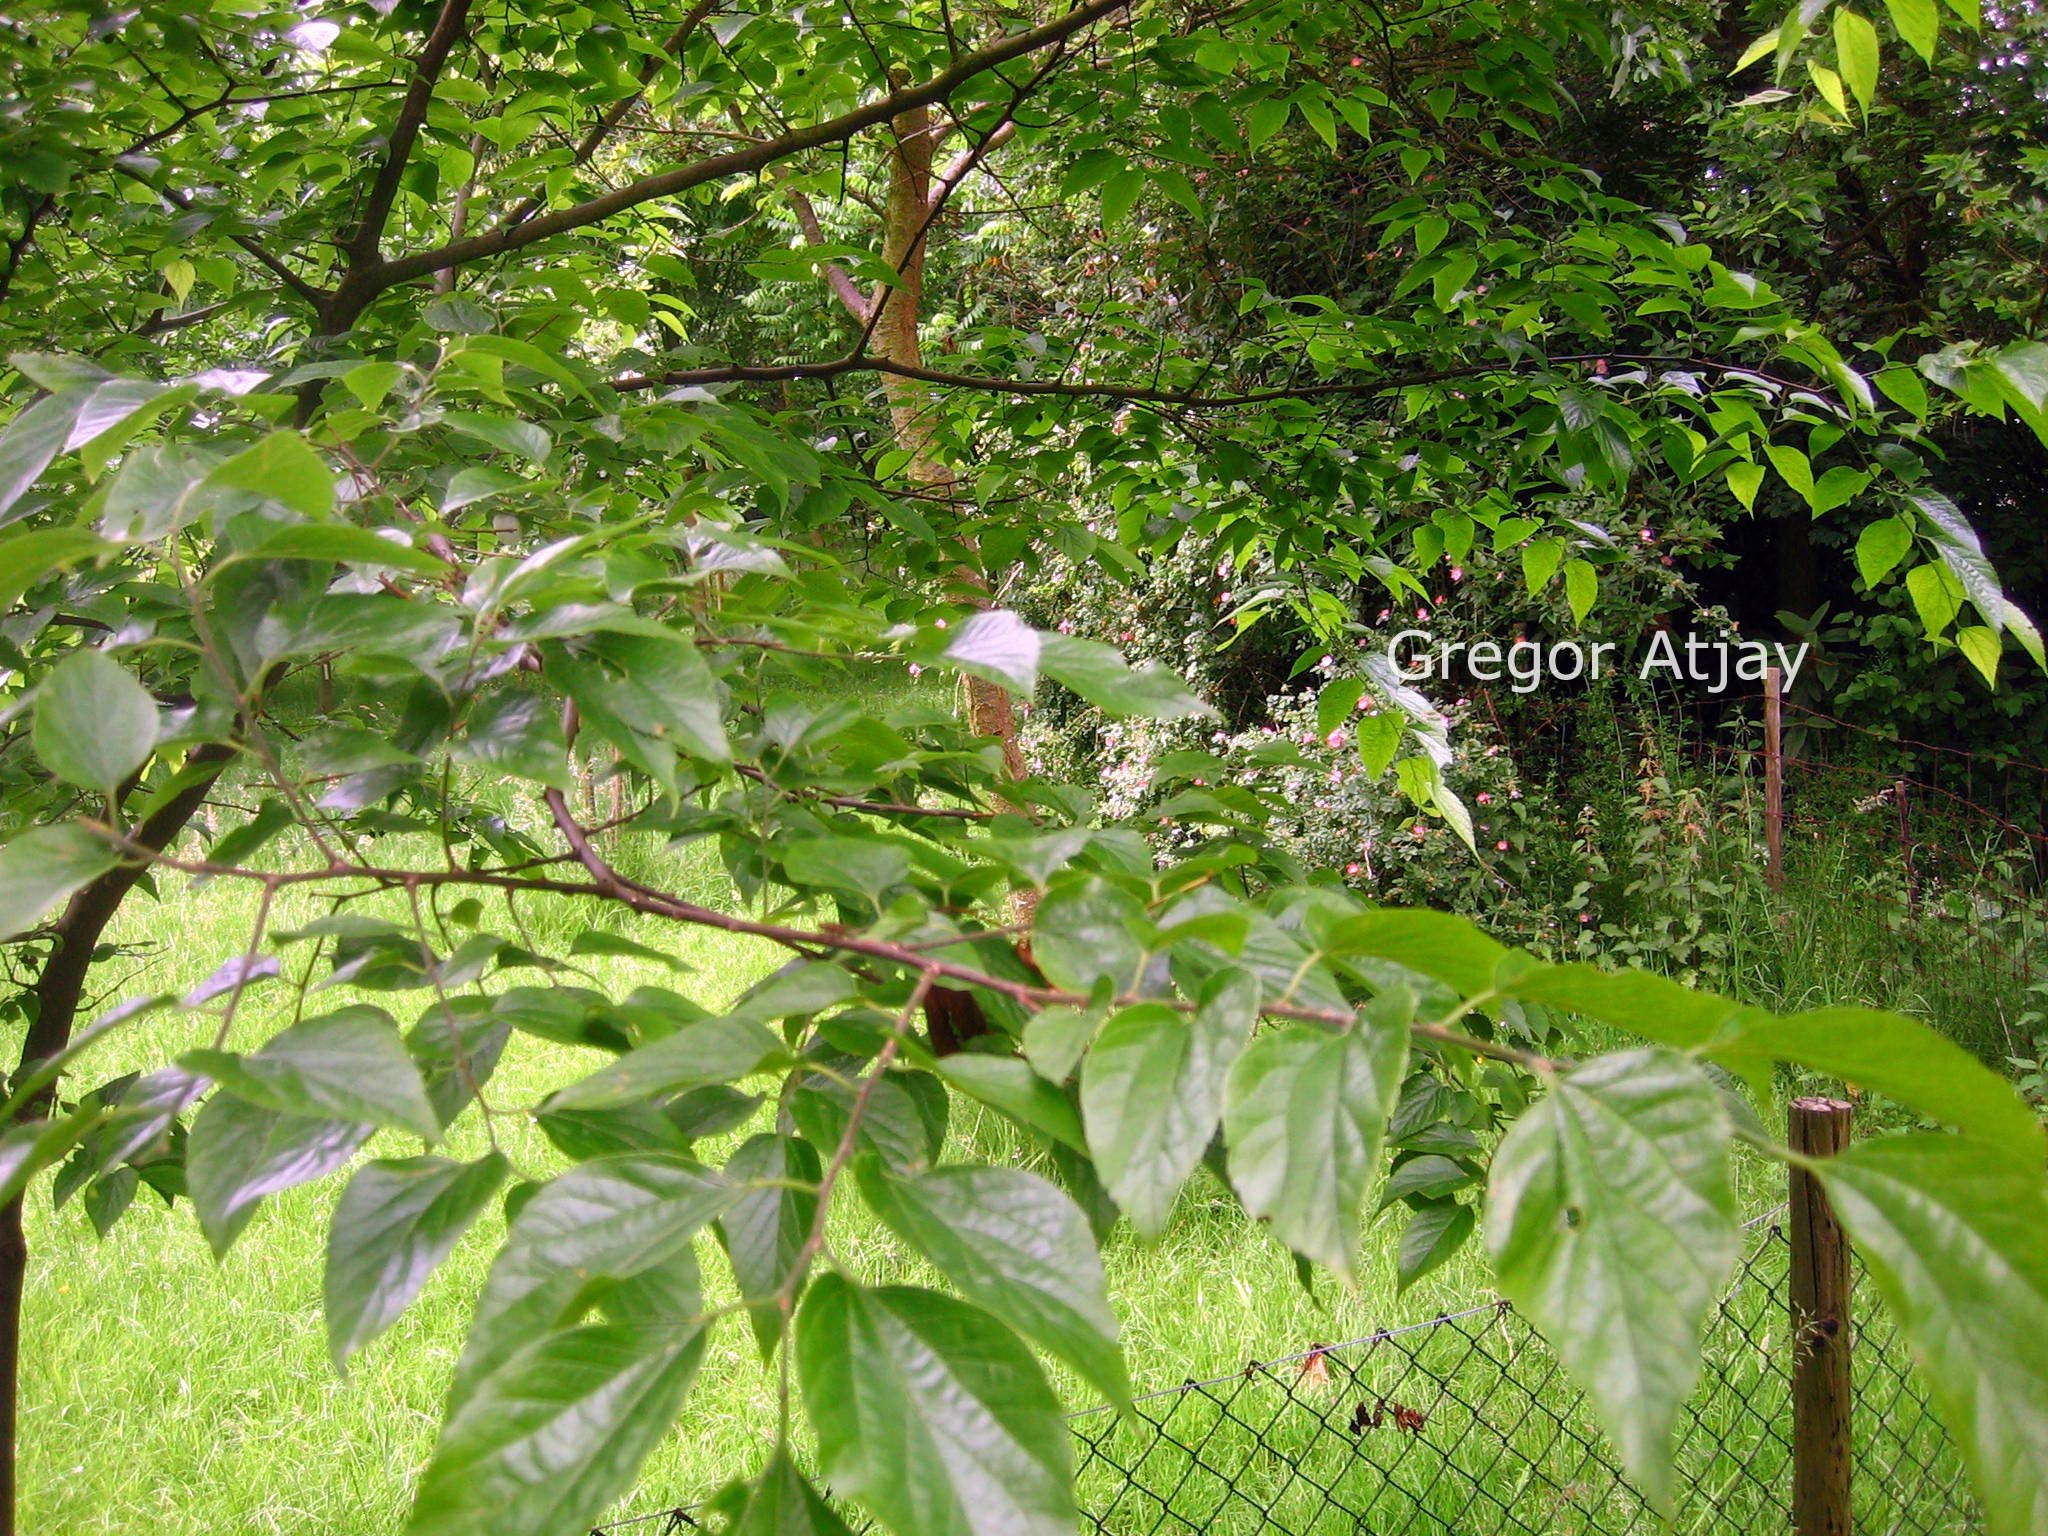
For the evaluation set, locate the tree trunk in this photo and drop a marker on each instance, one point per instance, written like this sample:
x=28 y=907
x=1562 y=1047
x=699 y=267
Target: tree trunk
x=57 y=993
x=905 y=230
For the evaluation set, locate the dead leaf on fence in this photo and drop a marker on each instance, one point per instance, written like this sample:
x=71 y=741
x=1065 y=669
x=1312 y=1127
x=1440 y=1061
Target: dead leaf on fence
x=1400 y=1415
x=1314 y=1371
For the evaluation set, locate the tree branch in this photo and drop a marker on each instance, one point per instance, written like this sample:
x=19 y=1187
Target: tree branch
x=592 y=141
x=405 y=132
x=363 y=285
x=845 y=287
x=284 y=274
x=1140 y=394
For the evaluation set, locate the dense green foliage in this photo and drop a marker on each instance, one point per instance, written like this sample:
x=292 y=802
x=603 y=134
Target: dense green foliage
x=416 y=407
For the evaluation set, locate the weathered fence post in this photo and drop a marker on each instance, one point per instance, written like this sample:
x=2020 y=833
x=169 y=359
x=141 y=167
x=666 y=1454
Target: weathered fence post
x=1906 y=849
x=1820 y=1282
x=1774 y=780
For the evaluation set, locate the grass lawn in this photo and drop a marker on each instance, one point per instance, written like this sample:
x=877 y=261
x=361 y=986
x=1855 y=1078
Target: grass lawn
x=163 y=1392
x=168 y=1393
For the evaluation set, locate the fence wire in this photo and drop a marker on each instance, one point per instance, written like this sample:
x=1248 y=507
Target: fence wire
x=1466 y=1425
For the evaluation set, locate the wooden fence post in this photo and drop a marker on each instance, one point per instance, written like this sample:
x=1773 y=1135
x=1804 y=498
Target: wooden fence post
x=1820 y=1284
x=1774 y=780
x=1906 y=850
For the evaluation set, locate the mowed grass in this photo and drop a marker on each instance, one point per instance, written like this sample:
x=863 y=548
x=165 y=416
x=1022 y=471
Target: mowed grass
x=168 y=1393
x=164 y=1392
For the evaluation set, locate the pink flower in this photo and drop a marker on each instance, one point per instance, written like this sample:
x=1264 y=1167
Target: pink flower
x=1585 y=917
x=1457 y=573
x=1649 y=535
x=1352 y=869
x=1365 y=701
x=916 y=670
x=1335 y=739
x=1501 y=846
x=1483 y=798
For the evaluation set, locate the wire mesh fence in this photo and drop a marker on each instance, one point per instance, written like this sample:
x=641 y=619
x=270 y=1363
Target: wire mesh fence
x=1466 y=1425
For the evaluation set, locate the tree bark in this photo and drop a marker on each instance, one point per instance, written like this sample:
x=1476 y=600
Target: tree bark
x=905 y=231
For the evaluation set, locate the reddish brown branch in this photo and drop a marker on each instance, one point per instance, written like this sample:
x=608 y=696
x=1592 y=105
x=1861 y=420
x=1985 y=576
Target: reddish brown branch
x=405 y=132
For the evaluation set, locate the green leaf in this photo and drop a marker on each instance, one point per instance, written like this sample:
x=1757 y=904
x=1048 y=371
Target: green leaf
x=1304 y=1114
x=1980 y=648
x=1937 y=597
x=349 y=1065
x=765 y=1228
x=1654 y=1007
x=1010 y=1086
x=1856 y=55
x=1794 y=468
x=2022 y=371
x=1895 y=1056
x=1581 y=587
x=1101 y=676
x=1015 y=1245
x=781 y=1503
x=1439 y=945
x=1880 y=547
x=1963 y=554
x=1435 y=1232
x=931 y=1414
x=1087 y=931
x=1610 y=1220
x=1429 y=1176
x=1763 y=47
x=905 y=1122
x=1055 y=1038
x=1000 y=646
x=1540 y=558
x=28 y=557
x=239 y=1152
x=1951 y=1232
x=1453 y=273
x=1119 y=193
x=519 y=734
x=650 y=694
x=1152 y=1093
x=522 y=439
x=346 y=543
x=397 y=1220
x=601 y=1223
x=94 y=724
x=43 y=866
x=557 y=1432
x=1265 y=119
x=1744 y=480
x=1918 y=22
x=839 y=863
x=1838 y=487
x=710 y=1051
x=1379 y=738
x=281 y=468
x=31 y=441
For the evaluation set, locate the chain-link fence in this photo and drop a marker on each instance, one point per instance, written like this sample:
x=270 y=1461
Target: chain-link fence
x=1466 y=1425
